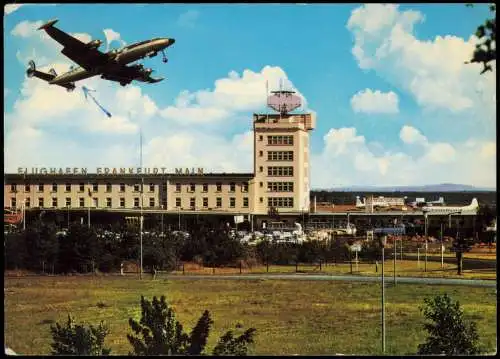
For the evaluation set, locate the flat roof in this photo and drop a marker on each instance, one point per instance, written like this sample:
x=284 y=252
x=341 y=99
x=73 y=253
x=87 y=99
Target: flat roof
x=22 y=177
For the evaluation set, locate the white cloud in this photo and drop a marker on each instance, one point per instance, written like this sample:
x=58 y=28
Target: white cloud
x=369 y=101
x=432 y=71
x=26 y=28
x=111 y=36
x=188 y=19
x=410 y=135
x=348 y=159
x=10 y=8
x=230 y=95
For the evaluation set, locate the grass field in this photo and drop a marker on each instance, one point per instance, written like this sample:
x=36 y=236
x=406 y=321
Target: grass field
x=291 y=317
x=406 y=268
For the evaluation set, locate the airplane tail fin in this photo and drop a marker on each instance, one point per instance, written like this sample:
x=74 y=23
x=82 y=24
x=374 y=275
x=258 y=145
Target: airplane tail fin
x=33 y=72
x=474 y=203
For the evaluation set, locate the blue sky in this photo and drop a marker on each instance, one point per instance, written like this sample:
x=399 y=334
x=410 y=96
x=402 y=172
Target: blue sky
x=395 y=104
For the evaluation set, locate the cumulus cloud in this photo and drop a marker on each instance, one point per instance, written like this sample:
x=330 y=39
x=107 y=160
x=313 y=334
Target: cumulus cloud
x=369 y=101
x=26 y=28
x=111 y=36
x=188 y=18
x=432 y=71
x=232 y=94
x=10 y=8
x=351 y=160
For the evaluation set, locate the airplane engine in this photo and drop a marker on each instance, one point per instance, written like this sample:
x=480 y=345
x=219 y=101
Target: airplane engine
x=152 y=53
x=94 y=44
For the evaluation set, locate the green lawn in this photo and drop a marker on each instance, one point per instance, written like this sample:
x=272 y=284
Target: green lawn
x=406 y=268
x=291 y=317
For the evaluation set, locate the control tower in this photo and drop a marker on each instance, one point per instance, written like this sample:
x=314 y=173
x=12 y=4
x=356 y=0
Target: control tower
x=281 y=156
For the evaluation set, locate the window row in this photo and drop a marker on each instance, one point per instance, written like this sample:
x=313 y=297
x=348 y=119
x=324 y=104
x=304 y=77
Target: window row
x=82 y=203
x=81 y=187
x=280 y=155
x=205 y=202
x=279 y=186
x=280 y=202
x=280 y=171
x=280 y=140
x=218 y=187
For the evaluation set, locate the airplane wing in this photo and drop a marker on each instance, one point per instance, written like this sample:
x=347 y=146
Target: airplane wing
x=85 y=55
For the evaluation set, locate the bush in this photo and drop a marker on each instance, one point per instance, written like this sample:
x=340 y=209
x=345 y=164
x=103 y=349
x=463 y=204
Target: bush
x=449 y=334
x=159 y=333
x=77 y=340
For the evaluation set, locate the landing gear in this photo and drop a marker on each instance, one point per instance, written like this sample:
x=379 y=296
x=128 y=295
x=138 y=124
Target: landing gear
x=165 y=60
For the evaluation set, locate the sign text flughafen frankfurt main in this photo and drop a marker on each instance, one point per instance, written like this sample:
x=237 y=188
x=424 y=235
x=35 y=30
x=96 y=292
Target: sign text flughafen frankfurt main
x=107 y=171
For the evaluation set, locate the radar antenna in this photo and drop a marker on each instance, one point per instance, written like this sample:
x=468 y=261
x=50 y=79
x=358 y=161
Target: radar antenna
x=283 y=101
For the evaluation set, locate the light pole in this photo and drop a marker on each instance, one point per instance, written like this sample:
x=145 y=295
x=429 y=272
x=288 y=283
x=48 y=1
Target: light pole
x=394 y=243
x=24 y=214
x=425 y=229
x=179 y=211
x=162 y=219
x=383 y=242
x=67 y=207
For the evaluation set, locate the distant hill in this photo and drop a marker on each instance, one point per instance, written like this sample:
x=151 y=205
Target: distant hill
x=443 y=187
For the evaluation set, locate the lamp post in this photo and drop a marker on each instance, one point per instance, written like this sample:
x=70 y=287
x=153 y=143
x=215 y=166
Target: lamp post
x=425 y=235
x=383 y=243
x=67 y=207
x=179 y=211
x=24 y=214
x=162 y=206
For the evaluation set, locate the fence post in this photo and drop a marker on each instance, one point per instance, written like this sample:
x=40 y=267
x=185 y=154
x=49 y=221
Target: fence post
x=267 y=266
x=183 y=268
x=320 y=265
x=213 y=269
x=240 y=267
x=296 y=267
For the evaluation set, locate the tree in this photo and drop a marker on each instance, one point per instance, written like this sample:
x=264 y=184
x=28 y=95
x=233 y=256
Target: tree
x=485 y=51
x=42 y=246
x=449 y=333
x=75 y=339
x=162 y=334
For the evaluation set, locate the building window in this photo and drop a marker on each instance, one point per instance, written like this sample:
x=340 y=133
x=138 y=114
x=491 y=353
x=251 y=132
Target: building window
x=280 y=202
x=177 y=187
x=136 y=202
x=280 y=171
x=40 y=187
x=219 y=202
x=205 y=187
x=95 y=187
x=164 y=203
x=68 y=187
x=108 y=202
x=81 y=187
x=122 y=202
x=122 y=187
x=280 y=156
x=232 y=202
x=261 y=169
x=82 y=202
x=219 y=187
x=40 y=202
x=151 y=187
x=232 y=187
x=280 y=186
x=54 y=202
x=28 y=202
x=261 y=153
x=244 y=187
x=68 y=201
x=261 y=184
x=26 y=188
x=261 y=138
x=261 y=199
x=178 y=202
x=280 y=140
x=13 y=187
x=96 y=202
x=137 y=187
x=245 y=202
x=205 y=202
x=13 y=202
x=54 y=187
x=108 y=187
x=151 y=202
x=192 y=202
x=192 y=187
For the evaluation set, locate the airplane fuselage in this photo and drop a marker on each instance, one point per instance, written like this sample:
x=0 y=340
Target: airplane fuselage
x=121 y=57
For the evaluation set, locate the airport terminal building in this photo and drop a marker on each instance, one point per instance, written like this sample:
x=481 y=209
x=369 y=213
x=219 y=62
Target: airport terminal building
x=280 y=180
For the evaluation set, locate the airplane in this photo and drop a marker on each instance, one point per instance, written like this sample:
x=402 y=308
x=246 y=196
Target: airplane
x=420 y=202
x=445 y=210
x=111 y=65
